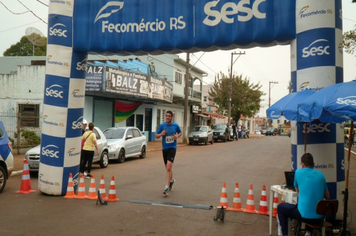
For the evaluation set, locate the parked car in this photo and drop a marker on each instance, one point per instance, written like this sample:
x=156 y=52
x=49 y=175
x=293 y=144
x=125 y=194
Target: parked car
x=125 y=142
x=33 y=155
x=257 y=131
x=201 y=134
x=220 y=132
x=6 y=157
x=263 y=131
x=271 y=131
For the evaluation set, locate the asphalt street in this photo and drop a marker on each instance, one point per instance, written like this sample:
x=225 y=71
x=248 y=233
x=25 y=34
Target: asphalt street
x=200 y=172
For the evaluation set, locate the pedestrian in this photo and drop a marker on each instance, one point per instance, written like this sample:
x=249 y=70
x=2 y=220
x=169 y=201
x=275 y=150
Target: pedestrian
x=240 y=131
x=84 y=126
x=234 y=131
x=89 y=147
x=311 y=186
x=170 y=132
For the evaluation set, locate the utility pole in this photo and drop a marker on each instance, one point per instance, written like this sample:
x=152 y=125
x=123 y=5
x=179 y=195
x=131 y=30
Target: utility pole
x=269 y=94
x=230 y=90
x=186 y=104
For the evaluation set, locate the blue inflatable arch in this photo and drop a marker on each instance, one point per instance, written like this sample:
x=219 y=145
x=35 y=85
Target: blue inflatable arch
x=77 y=27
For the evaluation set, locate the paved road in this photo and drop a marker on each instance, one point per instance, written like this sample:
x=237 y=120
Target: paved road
x=200 y=172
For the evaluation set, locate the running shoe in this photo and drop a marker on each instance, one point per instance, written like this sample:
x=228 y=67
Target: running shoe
x=166 y=190
x=171 y=184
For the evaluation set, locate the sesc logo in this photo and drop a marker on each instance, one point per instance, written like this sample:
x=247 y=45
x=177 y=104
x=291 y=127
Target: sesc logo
x=317 y=48
x=77 y=124
x=50 y=151
x=55 y=91
x=58 y=30
x=82 y=65
x=349 y=101
x=226 y=12
x=112 y=7
x=273 y=115
x=316 y=128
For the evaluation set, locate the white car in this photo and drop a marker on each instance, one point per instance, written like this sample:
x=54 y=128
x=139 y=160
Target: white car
x=201 y=134
x=33 y=155
x=124 y=142
x=257 y=132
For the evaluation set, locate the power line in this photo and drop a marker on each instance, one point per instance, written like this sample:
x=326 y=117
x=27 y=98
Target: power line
x=31 y=11
x=20 y=13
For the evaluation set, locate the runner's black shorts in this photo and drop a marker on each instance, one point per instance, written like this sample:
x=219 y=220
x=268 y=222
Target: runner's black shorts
x=169 y=155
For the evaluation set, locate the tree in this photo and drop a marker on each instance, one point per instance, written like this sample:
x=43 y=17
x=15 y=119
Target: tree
x=350 y=41
x=25 y=48
x=245 y=96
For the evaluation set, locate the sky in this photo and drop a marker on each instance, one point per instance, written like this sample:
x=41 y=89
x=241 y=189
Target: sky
x=260 y=65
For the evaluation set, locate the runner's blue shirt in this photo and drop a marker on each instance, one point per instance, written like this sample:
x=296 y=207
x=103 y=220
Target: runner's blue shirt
x=167 y=140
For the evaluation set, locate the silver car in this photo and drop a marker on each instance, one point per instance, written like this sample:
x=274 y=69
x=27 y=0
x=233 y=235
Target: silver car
x=33 y=155
x=201 y=134
x=125 y=142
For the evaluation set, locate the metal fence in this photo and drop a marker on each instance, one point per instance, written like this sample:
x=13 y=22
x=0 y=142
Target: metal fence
x=13 y=126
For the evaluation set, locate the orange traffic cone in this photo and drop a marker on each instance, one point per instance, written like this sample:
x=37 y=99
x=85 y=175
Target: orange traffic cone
x=102 y=188
x=81 y=189
x=263 y=210
x=92 y=189
x=112 y=191
x=236 y=205
x=70 y=188
x=275 y=204
x=223 y=198
x=26 y=181
x=250 y=204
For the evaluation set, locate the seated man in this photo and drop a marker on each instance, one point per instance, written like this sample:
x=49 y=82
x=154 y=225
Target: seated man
x=311 y=186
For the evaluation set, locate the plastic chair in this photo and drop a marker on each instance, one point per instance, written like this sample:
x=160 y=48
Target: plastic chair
x=325 y=208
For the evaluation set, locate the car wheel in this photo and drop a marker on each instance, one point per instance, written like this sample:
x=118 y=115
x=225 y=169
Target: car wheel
x=121 y=157
x=2 y=178
x=143 y=152
x=212 y=141
x=104 y=160
x=190 y=143
x=224 y=140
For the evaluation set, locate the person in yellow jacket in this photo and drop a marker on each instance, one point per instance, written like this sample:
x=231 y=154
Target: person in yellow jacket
x=89 y=147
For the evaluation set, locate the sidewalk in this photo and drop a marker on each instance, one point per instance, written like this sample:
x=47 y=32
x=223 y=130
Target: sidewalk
x=19 y=158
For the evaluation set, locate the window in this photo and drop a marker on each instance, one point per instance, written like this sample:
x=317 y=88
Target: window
x=139 y=122
x=137 y=133
x=129 y=132
x=178 y=78
x=29 y=115
x=205 y=98
x=130 y=121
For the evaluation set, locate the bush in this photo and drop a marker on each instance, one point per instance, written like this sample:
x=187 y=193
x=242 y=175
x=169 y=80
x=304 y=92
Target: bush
x=31 y=137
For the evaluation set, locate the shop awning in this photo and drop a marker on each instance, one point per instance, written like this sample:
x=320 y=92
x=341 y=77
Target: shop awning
x=202 y=115
x=214 y=115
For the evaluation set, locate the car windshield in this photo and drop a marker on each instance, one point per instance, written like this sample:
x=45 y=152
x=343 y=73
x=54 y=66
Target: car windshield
x=200 y=129
x=114 y=133
x=271 y=129
x=219 y=126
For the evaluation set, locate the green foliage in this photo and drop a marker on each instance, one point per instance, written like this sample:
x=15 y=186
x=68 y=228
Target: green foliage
x=350 y=41
x=25 y=48
x=245 y=96
x=31 y=137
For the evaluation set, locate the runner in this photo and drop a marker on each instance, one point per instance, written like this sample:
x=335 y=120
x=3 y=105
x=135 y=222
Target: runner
x=170 y=131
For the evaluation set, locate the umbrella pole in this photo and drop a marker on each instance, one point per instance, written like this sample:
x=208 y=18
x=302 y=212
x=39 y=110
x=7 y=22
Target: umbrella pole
x=345 y=231
x=305 y=137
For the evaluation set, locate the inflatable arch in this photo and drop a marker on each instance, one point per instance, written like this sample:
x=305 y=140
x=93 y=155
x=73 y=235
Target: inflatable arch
x=76 y=27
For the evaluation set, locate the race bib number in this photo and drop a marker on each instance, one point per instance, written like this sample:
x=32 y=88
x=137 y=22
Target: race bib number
x=169 y=139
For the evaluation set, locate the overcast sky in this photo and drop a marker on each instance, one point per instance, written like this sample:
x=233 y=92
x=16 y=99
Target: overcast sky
x=261 y=65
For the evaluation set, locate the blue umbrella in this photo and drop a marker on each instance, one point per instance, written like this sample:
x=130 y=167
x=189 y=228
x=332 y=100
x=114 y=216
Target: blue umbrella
x=334 y=104
x=288 y=105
